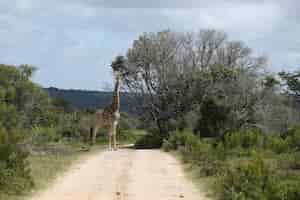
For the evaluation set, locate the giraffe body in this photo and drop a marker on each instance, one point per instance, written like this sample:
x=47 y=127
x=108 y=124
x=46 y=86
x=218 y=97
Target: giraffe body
x=109 y=117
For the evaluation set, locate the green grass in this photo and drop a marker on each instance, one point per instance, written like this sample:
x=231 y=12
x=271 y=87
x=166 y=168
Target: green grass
x=45 y=167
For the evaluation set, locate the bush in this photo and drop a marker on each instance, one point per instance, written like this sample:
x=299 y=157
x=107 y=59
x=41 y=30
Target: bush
x=167 y=146
x=293 y=138
x=42 y=135
x=128 y=122
x=181 y=139
x=290 y=161
x=277 y=144
x=251 y=179
x=244 y=139
x=149 y=141
x=14 y=169
x=127 y=136
x=208 y=158
x=288 y=190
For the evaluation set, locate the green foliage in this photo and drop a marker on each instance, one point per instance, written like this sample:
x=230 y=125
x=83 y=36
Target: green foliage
x=149 y=141
x=293 y=138
x=42 y=135
x=241 y=172
x=177 y=139
x=251 y=179
x=277 y=144
x=214 y=116
x=23 y=105
x=128 y=122
x=245 y=139
x=128 y=136
x=290 y=161
x=201 y=153
x=290 y=142
x=287 y=190
x=14 y=169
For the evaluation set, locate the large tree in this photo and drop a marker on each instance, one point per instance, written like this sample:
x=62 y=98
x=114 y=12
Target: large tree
x=23 y=104
x=170 y=72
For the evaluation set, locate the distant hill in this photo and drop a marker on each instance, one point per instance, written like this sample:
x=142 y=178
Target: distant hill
x=82 y=99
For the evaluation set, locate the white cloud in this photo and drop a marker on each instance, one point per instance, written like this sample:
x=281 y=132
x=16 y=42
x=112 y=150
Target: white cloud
x=80 y=37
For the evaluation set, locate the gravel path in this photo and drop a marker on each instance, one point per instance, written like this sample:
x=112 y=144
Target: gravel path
x=123 y=175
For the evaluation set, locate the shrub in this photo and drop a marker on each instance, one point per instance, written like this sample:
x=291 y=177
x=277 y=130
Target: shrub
x=290 y=161
x=251 y=179
x=244 y=139
x=212 y=167
x=127 y=136
x=128 y=122
x=199 y=152
x=149 y=141
x=288 y=190
x=14 y=169
x=293 y=138
x=42 y=135
x=182 y=138
x=233 y=140
x=167 y=146
x=277 y=144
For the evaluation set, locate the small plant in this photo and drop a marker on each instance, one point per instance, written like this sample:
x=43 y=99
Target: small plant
x=167 y=146
x=277 y=144
x=290 y=161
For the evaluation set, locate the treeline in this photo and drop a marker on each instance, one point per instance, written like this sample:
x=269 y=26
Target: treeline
x=85 y=99
x=214 y=101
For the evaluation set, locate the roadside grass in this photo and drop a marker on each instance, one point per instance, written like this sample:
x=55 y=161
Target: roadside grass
x=280 y=166
x=123 y=137
x=47 y=166
x=204 y=185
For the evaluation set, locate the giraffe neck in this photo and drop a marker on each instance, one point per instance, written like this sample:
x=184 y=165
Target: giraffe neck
x=116 y=97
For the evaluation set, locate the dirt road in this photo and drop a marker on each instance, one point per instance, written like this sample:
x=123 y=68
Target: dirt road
x=123 y=175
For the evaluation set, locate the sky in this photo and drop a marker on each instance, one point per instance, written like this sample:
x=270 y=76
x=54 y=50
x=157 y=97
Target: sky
x=72 y=42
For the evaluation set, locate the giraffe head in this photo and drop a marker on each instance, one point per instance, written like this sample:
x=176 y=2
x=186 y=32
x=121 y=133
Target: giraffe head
x=118 y=75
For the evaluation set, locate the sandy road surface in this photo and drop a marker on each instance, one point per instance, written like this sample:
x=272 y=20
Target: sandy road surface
x=123 y=175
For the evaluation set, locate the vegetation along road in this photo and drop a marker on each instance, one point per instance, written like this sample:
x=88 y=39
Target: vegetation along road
x=123 y=174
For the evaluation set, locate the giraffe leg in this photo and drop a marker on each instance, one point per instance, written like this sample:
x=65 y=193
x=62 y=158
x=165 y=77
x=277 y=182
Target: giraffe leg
x=110 y=139
x=115 y=136
x=89 y=137
x=94 y=135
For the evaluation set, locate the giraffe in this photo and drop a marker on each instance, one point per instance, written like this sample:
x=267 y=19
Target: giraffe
x=109 y=117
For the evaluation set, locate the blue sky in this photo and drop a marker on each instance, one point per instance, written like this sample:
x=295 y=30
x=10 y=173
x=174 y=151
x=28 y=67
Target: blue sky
x=72 y=42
